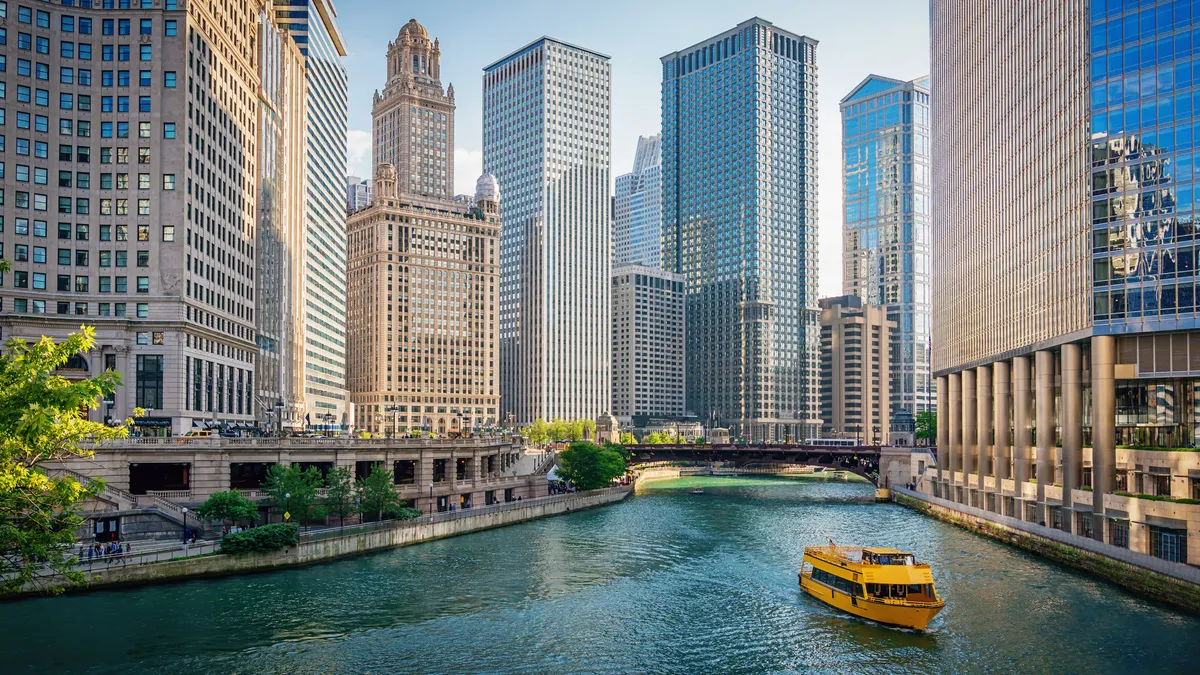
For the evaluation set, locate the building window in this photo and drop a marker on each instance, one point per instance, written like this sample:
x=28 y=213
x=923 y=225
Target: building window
x=150 y=381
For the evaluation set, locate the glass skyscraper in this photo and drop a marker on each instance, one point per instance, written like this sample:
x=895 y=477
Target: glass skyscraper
x=313 y=25
x=739 y=155
x=885 y=240
x=546 y=138
x=637 y=208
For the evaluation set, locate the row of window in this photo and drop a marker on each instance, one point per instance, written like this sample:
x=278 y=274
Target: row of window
x=27 y=306
x=83 y=230
x=83 y=50
x=37 y=281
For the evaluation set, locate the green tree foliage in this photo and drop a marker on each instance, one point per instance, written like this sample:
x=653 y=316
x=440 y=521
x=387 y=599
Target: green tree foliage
x=229 y=505
x=927 y=426
x=662 y=438
x=538 y=432
x=339 y=500
x=294 y=491
x=628 y=438
x=42 y=420
x=589 y=426
x=261 y=539
x=377 y=493
x=589 y=466
x=406 y=513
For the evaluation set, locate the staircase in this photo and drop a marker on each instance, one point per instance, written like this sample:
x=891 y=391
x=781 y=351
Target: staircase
x=120 y=499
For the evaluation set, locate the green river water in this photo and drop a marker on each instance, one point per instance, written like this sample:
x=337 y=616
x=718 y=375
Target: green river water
x=664 y=582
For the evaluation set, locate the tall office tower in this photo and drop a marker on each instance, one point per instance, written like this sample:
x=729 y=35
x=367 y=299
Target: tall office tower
x=546 y=137
x=358 y=193
x=855 y=370
x=154 y=213
x=413 y=119
x=739 y=151
x=313 y=26
x=647 y=344
x=279 y=274
x=885 y=240
x=423 y=288
x=637 y=208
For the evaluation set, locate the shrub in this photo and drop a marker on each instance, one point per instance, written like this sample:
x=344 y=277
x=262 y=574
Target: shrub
x=405 y=513
x=261 y=539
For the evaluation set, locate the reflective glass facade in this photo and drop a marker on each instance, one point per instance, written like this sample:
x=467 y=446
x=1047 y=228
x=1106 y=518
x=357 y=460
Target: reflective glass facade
x=1143 y=126
x=637 y=208
x=885 y=243
x=739 y=221
x=325 y=239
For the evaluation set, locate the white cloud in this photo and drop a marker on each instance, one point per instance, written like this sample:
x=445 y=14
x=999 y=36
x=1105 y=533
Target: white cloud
x=358 y=153
x=468 y=165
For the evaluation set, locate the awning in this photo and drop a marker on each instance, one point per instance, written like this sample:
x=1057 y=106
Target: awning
x=552 y=474
x=1169 y=523
x=1117 y=513
x=1081 y=508
x=1160 y=470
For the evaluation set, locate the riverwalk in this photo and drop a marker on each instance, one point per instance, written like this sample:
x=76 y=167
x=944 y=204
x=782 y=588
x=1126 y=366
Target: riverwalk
x=177 y=563
x=1162 y=580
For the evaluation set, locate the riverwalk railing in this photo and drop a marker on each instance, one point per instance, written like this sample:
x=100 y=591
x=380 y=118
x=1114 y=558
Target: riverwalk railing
x=322 y=533
x=1165 y=567
x=295 y=441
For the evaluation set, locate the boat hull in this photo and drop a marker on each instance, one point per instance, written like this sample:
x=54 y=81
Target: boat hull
x=901 y=616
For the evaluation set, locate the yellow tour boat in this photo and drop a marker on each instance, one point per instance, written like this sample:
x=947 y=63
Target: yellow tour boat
x=880 y=584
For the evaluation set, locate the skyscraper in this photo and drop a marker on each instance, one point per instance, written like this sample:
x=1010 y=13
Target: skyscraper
x=423 y=283
x=739 y=155
x=155 y=201
x=637 y=208
x=885 y=241
x=280 y=272
x=648 y=312
x=855 y=369
x=413 y=119
x=313 y=25
x=546 y=138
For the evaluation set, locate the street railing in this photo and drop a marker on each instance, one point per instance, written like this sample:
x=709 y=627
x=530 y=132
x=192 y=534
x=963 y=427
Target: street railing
x=294 y=441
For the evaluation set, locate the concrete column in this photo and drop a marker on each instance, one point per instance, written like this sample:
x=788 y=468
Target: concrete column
x=969 y=426
x=1104 y=422
x=943 y=431
x=1072 y=420
x=1022 y=421
x=1001 y=448
x=983 y=435
x=1044 y=370
x=954 y=426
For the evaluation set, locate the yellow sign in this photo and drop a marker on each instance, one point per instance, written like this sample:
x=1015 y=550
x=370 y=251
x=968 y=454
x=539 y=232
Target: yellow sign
x=287 y=515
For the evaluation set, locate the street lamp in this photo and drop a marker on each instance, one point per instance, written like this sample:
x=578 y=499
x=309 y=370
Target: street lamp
x=185 y=527
x=431 y=496
x=287 y=497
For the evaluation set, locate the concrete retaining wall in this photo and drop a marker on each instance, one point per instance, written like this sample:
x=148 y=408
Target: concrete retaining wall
x=1171 y=583
x=340 y=547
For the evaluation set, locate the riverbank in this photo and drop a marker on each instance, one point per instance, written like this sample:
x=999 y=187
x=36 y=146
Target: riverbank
x=317 y=547
x=1170 y=583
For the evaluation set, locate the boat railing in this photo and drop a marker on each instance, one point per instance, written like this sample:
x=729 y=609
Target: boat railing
x=906 y=603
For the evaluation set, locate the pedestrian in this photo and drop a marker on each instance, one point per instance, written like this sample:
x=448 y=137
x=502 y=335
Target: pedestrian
x=193 y=537
x=90 y=552
x=127 y=547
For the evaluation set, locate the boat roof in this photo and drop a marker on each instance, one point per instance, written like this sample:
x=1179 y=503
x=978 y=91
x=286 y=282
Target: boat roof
x=885 y=551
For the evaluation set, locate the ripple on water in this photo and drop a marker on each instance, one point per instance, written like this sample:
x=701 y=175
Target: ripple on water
x=666 y=582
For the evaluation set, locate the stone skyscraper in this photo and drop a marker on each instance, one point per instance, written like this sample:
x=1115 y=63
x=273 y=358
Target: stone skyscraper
x=637 y=208
x=885 y=240
x=546 y=137
x=152 y=236
x=413 y=119
x=739 y=157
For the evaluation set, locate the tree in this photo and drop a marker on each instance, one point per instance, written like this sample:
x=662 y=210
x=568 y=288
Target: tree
x=339 y=500
x=293 y=491
x=628 y=438
x=229 y=505
x=589 y=466
x=927 y=426
x=590 y=427
x=538 y=432
x=43 y=419
x=377 y=493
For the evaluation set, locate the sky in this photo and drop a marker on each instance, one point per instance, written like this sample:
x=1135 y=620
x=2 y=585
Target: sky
x=857 y=38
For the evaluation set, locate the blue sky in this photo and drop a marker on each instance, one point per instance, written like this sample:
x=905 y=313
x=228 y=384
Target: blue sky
x=857 y=38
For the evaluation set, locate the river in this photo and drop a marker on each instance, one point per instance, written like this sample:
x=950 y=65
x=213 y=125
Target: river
x=665 y=582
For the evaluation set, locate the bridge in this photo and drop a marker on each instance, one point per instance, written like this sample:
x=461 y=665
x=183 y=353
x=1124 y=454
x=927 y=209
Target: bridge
x=861 y=460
